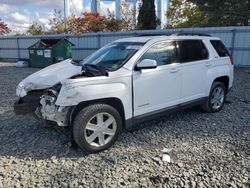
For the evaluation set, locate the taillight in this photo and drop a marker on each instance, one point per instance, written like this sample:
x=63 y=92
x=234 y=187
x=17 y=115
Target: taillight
x=232 y=59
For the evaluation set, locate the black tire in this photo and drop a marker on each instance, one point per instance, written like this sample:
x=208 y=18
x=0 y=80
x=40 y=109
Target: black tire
x=84 y=116
x=208 y=106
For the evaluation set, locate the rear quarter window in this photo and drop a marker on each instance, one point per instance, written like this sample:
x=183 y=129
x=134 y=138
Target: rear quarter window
x=220 y=48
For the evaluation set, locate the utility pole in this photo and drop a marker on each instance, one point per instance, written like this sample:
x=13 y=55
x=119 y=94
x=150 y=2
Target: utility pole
x=95 y=6
x=134 y=2
x=66 y=13
x=167 y=10
x=118 y=10
x=66 y=8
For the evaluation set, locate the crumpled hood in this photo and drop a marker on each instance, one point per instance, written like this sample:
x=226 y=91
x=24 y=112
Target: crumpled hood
x=48 y=77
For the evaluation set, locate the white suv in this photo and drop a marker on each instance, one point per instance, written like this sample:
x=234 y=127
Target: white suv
x=126 y=82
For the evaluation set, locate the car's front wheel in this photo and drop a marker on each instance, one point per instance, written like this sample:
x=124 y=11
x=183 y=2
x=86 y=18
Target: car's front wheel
x=216 y=99
x=97 y=127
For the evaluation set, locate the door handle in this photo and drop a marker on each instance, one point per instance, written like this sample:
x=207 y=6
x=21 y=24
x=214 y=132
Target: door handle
x=207 y=64
x=174 y=70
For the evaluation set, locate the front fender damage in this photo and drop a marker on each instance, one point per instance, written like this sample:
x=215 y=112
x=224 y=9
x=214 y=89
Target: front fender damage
x=72 y=96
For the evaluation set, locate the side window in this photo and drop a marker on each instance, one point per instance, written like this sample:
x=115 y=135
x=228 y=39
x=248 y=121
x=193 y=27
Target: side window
x=163 y=53
x=220 y=48
x=192 y=50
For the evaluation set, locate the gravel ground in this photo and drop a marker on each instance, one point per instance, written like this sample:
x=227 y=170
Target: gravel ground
x=208 y=150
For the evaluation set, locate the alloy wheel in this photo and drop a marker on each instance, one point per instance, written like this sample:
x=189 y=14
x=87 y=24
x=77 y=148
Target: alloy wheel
x=100 y=129
x=217 y=98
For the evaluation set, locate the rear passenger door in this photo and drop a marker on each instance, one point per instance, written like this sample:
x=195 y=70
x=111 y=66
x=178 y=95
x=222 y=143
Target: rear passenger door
x=194 y=65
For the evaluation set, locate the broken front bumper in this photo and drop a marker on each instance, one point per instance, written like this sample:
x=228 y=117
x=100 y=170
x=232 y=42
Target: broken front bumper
x=51 y=112
x=43 y=106
x=23 y=108
x=28 y=103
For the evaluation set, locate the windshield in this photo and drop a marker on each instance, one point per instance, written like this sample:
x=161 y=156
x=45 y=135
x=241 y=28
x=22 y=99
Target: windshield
x=113 y=56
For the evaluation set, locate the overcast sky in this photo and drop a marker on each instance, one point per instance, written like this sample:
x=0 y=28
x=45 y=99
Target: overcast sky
x=19 y=14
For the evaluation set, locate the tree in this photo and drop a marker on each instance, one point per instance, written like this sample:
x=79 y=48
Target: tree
x=4 y=29
x=94 y=22
x=57 y=23
x=86 y=22
x=225 y=12
x=61 y=25
x=90 y=22
x=184 y=14
x=113 y=25
x=147 y=17
x=35 y=29
x=128 y=15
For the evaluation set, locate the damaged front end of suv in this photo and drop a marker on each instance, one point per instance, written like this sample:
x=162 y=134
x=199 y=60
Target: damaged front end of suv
x=39 y=92
x=93 y=97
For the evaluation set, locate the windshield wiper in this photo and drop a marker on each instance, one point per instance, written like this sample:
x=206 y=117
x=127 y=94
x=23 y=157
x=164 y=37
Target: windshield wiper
x=94 y=70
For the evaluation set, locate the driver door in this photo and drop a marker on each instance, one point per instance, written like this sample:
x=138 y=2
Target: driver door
x=159 y=88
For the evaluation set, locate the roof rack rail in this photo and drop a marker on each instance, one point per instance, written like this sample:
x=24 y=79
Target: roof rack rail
x=152 y=34
x=191 y=33
x=174 y=34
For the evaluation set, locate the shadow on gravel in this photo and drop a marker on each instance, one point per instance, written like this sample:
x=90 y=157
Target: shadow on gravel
x=25 y=137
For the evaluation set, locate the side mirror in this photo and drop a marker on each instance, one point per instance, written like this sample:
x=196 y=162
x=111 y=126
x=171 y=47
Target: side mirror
x=146 y=64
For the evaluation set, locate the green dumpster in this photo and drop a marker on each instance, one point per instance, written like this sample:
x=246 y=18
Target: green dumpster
x=49 y=51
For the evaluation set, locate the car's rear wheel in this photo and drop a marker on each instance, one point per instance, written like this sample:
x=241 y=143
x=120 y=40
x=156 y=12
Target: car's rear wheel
x=216 y=99
x=97 y=127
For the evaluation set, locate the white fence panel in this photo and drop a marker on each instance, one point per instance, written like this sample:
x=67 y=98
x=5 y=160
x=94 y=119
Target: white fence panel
x=6 y=43
x=237 y=39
